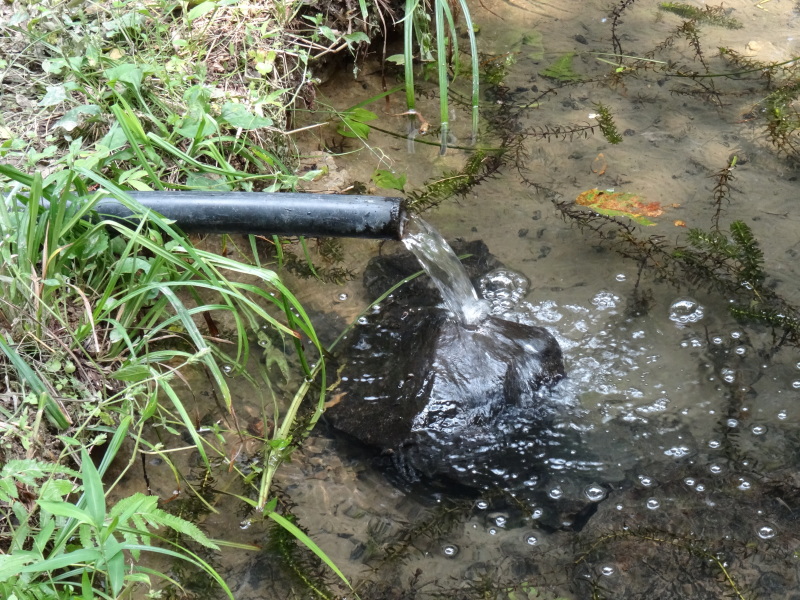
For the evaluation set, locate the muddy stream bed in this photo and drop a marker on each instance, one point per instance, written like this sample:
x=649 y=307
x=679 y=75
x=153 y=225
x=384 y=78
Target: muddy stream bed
x=688 y=421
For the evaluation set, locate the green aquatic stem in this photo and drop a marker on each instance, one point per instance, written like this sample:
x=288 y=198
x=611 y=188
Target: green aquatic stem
x=441 y=62
x=408 y=52
x=476 y=79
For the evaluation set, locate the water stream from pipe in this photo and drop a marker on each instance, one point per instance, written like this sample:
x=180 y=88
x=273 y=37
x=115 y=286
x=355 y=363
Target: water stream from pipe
x=445 y=269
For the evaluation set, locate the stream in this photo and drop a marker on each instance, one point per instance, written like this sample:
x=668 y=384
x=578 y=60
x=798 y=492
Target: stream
x=684 y=479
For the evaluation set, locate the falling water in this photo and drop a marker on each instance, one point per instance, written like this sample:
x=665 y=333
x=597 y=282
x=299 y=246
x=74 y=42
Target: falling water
x=446 y=271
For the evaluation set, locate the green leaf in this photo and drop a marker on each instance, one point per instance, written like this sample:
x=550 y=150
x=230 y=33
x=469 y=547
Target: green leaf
x=56 y=94
x=131 y=264
x=353 y=123
x=388 y=180
x=93 y=490
x=356 y=37
x=65 y=509
x=201 y=9
x=132 y=373
x=77 y=557
x=238 y=116
x=125 y=73
x=75 y=117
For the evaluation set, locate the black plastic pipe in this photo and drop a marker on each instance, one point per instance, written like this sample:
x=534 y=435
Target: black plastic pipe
x=262 y=213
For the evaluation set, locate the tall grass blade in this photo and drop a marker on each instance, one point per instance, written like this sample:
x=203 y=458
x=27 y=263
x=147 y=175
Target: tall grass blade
x=308 y=543
x=476 y=79
x=441 y=61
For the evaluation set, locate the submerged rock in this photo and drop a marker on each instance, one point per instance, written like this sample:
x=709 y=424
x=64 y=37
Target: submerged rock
x=471 y=405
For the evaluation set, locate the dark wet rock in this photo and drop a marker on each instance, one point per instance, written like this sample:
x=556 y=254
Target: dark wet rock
x=472 y=406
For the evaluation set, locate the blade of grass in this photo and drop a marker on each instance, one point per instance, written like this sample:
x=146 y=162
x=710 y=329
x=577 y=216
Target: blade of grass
x=441 y=61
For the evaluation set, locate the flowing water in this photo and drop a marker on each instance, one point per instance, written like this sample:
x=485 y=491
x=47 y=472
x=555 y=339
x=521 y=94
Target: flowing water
x=443 y=267
x=681 y=477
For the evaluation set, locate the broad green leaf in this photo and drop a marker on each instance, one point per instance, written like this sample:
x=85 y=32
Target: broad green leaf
x=125 y=73
x=93 y=491
x=77 y=557
x=201 y=9
x=353 y=129
x=388 y=180
x=75 y=117
x=132 y=373
x=207 y=181
x=356 y=37
x=237 y=115
x=65 y=509
x=131 y=264
x=56 y=94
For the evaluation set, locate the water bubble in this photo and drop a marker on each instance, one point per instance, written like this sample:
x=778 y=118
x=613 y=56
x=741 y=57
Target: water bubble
x=604 y=300
x=689 y=481
x=500 y=521
x=342 y=297
x=555 y=493
x=796 y=385
x=759 y=429
x=227 y=369
x=653 y=503
x=363 y=320
x=594 y=493
x=715 y=469
x=492 y=531
x=245 y=524
x=481 y=505
x=766 y=532
x=744 y=484
x=741 y=350
x=736 y=334
x=607 y=570
x=450 y=550
x=646 y=481
x=621 y=277
x=714 y=444
x=686 y=310
x=376 y=308
x=531 y=540
x=700 y=487
x=716 y=340
x=263 y=343
x=537 y=513
x=728 y=375
x=732 y=423
x=503 y=288
x=782 y=415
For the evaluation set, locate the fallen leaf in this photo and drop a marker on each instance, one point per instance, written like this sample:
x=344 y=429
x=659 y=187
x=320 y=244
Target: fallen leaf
x=680 y=223
x=615 y=204
x=599 y=164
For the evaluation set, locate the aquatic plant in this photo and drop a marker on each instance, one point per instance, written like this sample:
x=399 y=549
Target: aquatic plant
x=561 y=70
x=711 y=15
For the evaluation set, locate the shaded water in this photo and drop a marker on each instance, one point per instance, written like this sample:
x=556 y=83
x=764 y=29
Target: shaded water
x=686 y=423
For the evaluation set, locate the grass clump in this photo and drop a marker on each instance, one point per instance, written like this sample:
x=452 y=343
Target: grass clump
x=96 y=320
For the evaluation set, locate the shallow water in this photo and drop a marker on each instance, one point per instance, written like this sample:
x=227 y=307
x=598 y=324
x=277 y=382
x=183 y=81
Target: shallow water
x=688 y=423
